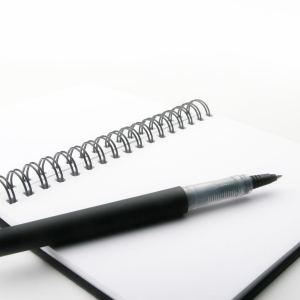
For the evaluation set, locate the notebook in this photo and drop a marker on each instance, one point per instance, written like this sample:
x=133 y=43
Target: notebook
x=210 y=253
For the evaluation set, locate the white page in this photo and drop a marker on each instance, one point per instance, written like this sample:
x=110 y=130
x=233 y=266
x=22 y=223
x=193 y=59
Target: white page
x=212 y=253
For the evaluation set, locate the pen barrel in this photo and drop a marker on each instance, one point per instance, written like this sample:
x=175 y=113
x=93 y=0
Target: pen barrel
x=95 y=221
x=209 y=192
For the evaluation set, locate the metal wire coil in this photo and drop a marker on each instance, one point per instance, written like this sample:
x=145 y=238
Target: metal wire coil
x=134 y=131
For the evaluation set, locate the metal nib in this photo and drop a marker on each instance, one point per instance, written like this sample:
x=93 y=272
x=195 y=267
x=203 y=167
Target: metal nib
x=278 y=176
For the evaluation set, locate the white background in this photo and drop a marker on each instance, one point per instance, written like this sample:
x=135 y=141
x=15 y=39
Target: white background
x=241 y=57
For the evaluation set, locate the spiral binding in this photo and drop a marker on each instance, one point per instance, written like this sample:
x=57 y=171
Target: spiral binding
x=134 y=131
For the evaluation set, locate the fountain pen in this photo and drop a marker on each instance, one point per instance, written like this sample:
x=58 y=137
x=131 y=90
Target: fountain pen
x=125 y=214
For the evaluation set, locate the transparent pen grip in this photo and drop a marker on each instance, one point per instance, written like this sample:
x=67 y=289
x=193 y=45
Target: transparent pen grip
x=228 y=188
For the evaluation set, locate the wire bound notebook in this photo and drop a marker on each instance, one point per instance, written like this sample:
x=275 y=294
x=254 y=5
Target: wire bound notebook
x=212 y=253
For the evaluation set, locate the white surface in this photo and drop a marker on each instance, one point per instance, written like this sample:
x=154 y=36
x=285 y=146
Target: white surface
x=240 y=57
x=228 y=226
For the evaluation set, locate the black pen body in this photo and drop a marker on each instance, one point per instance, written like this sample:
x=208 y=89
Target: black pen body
x=94 y=221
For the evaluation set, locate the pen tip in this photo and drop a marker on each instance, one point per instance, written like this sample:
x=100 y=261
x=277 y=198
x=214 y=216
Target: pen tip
x=263 y=179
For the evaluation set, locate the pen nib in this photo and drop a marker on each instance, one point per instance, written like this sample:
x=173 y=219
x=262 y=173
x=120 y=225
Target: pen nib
x=263 y=179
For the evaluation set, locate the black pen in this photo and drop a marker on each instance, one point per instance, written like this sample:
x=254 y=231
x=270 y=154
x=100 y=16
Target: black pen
x=128 y=213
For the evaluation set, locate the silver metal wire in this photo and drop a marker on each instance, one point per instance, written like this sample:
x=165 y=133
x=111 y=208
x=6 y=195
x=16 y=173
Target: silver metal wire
x=136 y=130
